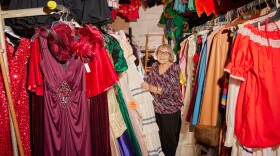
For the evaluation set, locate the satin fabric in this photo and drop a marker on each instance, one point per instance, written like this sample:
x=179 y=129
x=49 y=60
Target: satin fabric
x=102 y=74
x=130 y=131
x=255 y=58
x=134 y=116
x=128 y=11
x=126 y=145
x=207 y=6
x=35 y=77
x=66 y=114
x=114 y=48
x=200 y=79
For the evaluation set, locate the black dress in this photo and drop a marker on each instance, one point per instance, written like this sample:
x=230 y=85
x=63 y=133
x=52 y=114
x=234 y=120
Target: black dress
x=84 y=11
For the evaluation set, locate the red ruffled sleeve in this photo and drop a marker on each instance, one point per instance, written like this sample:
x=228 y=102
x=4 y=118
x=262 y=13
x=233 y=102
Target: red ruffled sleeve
x=35 y=78
x=241 y=60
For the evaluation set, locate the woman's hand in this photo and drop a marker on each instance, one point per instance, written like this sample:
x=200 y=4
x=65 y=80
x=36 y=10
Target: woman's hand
x=145 y=85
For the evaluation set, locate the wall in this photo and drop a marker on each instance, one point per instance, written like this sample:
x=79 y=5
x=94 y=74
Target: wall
x=148 y=23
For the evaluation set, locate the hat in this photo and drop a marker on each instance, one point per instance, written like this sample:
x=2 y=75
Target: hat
x=90 y=42
x=59 y=42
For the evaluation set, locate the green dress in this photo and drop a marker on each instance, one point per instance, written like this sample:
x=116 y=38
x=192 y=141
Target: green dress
x=127 y=121
x=114 y=48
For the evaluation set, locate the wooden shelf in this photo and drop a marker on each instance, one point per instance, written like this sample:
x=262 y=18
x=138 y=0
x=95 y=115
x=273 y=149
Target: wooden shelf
x=151 y=50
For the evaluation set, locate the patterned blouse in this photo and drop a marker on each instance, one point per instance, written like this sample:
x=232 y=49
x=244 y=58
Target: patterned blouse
x=169 y=101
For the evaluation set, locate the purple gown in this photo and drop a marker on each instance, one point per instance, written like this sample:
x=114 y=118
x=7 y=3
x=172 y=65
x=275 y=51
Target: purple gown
x=66 y=113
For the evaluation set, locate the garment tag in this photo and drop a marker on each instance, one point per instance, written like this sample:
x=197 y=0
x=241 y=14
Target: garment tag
x=87 y=67
x=133 y=105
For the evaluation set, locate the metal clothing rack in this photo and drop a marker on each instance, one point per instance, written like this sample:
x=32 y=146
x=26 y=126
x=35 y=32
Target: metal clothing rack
x=230 y=15
x=52 y=7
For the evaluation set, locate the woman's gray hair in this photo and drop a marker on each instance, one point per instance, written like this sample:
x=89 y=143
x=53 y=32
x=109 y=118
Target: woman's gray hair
x=169 y=50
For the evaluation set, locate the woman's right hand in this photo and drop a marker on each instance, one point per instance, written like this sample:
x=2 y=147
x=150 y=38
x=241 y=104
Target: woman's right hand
x=145 y=85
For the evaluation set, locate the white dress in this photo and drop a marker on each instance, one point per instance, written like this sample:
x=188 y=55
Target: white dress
x=145 y=107
x=186 y=144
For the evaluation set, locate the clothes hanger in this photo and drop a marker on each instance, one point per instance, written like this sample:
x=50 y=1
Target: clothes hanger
x=10 y=31
x=258 y=19
x=271 y=19
x=266 y=9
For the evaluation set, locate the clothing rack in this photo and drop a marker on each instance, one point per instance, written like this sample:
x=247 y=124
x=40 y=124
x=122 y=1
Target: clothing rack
x=230 y=15
x=52 y=7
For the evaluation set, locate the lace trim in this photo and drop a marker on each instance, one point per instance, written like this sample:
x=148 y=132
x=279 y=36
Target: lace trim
x=237 y=78
x=271 y=26
x=227 y=70
x=117 y=124
x=259 y=39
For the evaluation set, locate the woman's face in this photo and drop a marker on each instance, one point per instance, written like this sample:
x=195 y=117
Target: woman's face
x=163 y=56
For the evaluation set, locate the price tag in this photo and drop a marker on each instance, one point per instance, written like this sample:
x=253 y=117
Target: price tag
x=133 y=105
x=87 y=67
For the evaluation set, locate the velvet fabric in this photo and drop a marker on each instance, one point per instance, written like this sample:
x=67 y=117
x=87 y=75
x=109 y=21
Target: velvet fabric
x=37 y=124
x=100 y=125
x=130 y=130
x=113 y=47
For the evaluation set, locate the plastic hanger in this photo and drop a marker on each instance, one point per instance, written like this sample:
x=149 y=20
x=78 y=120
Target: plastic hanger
x=275 y=17
x=10 y=31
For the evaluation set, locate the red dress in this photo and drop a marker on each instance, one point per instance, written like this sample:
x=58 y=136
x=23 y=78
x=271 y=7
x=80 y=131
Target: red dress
x=128 y=11
x=35 y=78
x=255 y=60
x=17 y=60
x=101 y=74
x=207 y=6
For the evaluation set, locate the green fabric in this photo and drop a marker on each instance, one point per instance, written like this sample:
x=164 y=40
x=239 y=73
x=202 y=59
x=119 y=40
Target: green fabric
x=114 y=48
x=163 y=19
x=191 y=5
x=170 y=27
x=168 y=11
x=179 y=20
x=127 y=121
x=175 y=25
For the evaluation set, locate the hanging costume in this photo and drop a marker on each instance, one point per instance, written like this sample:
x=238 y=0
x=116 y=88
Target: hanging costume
x=100 y=125
x=67 y=125
x=17 y=60
x=254 y=61
x=102 y=74
x=207 y=6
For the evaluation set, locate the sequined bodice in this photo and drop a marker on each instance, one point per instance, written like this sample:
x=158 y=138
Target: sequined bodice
x=17 y=60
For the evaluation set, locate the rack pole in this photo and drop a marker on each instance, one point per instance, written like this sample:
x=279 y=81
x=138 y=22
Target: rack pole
x=7 y=85
x=3 y=59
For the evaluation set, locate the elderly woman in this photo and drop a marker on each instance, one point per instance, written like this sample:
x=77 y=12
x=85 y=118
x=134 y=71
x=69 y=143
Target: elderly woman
x=163 y=83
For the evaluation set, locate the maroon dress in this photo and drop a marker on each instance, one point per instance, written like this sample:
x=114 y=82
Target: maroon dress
x=66 y=113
